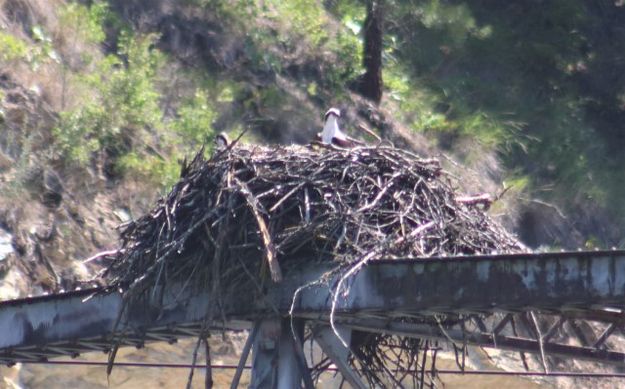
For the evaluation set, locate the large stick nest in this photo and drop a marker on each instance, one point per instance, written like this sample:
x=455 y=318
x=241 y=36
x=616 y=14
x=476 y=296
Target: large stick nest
x=294 y=204
x=251 y=213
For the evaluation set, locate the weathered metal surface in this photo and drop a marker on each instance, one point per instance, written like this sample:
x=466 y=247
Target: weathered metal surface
x=82 y=321
x=48 y=320
x=276 y=363
x=521 y=282
x=579 y=285
x=265 y=354
x=337 y=352
x=487 y=339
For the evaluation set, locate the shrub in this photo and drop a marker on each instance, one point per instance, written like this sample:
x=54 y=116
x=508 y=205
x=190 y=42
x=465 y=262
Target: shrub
x=123 y=106
x=12 y=48
x=195 y=121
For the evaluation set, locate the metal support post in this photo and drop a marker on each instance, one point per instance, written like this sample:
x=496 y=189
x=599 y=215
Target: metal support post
x=276 y=364
x=264 y=353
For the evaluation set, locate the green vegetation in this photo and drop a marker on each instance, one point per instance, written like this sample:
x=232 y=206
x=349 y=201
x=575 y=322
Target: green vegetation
x=120 y=115
x=195 y=117
x=538 y=83
x=541 y=83
x=123 y=106
x=12 y=48
x=85 y=23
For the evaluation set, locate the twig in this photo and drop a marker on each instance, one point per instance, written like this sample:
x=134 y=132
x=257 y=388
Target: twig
x=270 y=251
x=208 y=378
x=545 y=204
x=539 y=338
x=193 y=360
x=368 y=131
x=101 y=254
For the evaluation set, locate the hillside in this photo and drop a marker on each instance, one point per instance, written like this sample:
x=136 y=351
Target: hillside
x=100 y=101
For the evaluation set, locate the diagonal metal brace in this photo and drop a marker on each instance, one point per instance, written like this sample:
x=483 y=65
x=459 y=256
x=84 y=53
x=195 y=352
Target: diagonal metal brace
x=337 y=352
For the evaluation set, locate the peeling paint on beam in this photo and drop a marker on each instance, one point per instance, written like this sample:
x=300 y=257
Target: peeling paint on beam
x=52 y=320
x=576 y=283
x=560 y=282
x=82 y=321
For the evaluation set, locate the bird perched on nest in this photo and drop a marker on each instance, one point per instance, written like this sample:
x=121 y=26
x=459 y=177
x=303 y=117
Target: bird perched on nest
x=221 y=141
x=332 y=134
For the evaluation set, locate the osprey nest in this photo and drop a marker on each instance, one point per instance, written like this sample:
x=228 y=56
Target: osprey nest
x=249 y=214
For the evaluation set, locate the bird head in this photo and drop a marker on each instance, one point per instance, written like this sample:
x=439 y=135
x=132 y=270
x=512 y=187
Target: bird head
x=332 y=111
x=221 y=141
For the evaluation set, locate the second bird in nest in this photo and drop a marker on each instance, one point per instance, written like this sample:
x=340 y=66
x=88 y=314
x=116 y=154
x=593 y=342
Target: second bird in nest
x=332 y=134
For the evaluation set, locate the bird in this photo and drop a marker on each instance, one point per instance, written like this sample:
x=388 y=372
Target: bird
x=221 y=141
x=332 y=134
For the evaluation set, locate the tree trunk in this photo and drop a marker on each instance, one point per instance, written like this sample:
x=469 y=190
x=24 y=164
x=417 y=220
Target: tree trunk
x=371 y=82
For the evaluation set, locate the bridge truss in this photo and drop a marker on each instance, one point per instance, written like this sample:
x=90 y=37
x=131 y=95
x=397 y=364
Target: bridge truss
x=537 y=303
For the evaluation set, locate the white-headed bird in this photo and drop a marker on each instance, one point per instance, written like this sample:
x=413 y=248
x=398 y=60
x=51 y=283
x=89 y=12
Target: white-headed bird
x=332 y=134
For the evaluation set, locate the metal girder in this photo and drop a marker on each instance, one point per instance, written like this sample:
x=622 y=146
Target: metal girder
x=486 y=339
x=84 y=321
x=574 y=284
x=554 y=282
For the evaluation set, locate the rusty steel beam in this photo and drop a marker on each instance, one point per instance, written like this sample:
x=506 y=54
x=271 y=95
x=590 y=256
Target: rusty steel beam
x=575 y=284
x=87 y=320
x=51 y=319
x=556 y=282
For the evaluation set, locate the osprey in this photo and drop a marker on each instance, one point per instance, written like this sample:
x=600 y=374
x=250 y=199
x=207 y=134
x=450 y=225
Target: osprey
x=332 y=134
x=221 y=141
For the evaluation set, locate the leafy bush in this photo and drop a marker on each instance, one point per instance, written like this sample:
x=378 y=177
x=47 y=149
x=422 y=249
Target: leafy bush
x=123 y=106
x=43 y=50
x=195 y=120
x=34 y=53
x=302 y=19
x=163 y=172
x=12 y=48
x=119 y=113
x=191 y=129
x=85 y=23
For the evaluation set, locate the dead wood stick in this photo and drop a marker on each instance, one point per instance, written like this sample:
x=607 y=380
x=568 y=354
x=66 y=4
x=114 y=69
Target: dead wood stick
x=385 y=189
x=539 y=338
x=194 y=358
x=545 y=204
x=368 y=131
x=101 y=254
x=483 y=199
x=307 y=206
x=417 y=231
x=270 y=250
x=503 y=192
x=208 y=378
x=286 y=196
